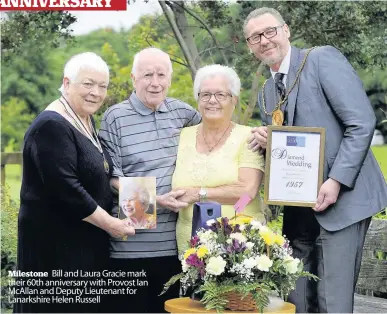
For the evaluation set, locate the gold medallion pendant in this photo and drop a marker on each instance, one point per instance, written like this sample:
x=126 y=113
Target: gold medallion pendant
x=277 y=117
x=106 y=165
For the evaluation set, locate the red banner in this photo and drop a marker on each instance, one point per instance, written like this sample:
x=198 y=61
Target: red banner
x=63 y=5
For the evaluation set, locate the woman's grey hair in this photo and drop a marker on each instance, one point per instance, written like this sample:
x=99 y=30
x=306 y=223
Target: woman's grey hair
x=213 y=70
x=153 y=50
x=83 y=61
x=262 y=11
x=143 y=196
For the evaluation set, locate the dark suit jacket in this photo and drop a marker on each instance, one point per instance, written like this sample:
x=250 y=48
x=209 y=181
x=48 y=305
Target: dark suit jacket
x=330 y=95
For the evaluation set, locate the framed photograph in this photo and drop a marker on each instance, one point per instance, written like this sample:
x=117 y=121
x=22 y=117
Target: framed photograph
x=137 y=201
x=294 y=165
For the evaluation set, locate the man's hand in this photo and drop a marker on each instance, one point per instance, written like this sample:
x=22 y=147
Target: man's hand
x=327 y=195
x=258 y=139
x=170 y=200
x=191 y=195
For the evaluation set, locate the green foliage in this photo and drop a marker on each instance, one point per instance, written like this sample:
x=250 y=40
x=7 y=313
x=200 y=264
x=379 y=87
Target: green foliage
x=214 y=297
x=276 y=224
x=29 y=77
x=171 y=282
x=15 y=118
x=380 y=153
x=13 y=175
x=217 y=13
x=34 y=30
x=9 y=212
x=381 y=215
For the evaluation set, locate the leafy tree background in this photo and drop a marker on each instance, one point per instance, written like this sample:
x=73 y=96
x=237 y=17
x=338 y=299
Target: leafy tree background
x=36 y=45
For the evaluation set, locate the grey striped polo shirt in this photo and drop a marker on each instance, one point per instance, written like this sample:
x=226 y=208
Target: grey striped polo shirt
x=143 y=143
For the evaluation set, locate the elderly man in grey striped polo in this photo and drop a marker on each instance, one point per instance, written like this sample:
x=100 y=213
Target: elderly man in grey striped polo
x=142 y=135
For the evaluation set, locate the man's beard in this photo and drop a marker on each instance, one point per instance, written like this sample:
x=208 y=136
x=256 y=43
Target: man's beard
x=270 y=60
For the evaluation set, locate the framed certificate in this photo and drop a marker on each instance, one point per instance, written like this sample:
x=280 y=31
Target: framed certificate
x=294 y=165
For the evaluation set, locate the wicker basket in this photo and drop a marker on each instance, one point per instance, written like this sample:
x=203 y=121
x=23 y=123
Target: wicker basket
x=236 y=303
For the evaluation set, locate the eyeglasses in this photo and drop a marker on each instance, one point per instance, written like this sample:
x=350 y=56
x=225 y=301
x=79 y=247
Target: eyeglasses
x=219 y=96
x=268 y=33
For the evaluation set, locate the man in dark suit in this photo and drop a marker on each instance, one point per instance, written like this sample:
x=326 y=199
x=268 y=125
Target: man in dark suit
x=328 y=93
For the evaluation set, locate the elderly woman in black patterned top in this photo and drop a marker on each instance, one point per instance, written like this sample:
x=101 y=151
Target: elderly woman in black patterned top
x=64 y=222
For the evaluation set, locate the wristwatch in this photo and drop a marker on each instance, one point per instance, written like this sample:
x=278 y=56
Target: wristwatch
x=202 y=194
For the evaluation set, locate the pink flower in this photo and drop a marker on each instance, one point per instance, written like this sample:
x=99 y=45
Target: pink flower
x=195 y=261
x=194 y=241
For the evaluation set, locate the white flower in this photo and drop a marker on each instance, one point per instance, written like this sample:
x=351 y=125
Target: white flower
x=255 y=224
x=291 y=264
x=216 y=265
x=206 y=236
x=184 y=266
x=249 y=263
x=263 y=262
x=229 y=241
x=249 y=245
x=242 y=271
x=238 y=236
x=210 y=222
x=242 y=227
x=264 y=229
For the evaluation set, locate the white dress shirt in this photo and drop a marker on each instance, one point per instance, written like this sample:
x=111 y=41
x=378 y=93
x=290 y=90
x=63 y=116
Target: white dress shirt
x=284 y=67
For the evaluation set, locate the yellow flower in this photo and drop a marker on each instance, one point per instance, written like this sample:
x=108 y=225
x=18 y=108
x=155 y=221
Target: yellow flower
x=244 y=220
x=189 y=252
x=268 y=238
x=267 y=235
x=202 y=251
x=278 y=239
x=241 y=220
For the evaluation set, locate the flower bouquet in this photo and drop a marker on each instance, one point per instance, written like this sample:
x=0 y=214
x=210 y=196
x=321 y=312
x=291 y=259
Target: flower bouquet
x=238 y=260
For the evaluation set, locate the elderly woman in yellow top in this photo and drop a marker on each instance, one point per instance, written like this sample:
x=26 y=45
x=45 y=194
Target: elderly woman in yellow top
x=214 y=162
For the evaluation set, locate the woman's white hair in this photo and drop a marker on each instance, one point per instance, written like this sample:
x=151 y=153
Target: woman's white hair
x=213 y=70
x=141 y=193
x=151 y=50
x=83 y=61
x=143 y=197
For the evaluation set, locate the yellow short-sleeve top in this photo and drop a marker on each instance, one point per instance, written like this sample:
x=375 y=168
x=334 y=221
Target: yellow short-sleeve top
x=221 y=167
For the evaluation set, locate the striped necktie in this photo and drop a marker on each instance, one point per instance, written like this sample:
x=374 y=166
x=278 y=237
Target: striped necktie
x=278 y=77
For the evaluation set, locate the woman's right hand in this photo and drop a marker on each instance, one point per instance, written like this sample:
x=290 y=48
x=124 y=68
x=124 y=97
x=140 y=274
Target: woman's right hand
x=120 y=228
x=117 y=228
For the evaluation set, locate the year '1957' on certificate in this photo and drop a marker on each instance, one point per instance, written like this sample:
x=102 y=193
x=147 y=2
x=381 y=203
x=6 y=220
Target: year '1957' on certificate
x=294 y=165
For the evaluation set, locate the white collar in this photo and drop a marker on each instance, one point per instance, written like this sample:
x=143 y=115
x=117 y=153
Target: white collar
x=285 y=64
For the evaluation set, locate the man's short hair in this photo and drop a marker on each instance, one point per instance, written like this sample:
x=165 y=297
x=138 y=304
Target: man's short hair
x=262 y=11
x=150 y=50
